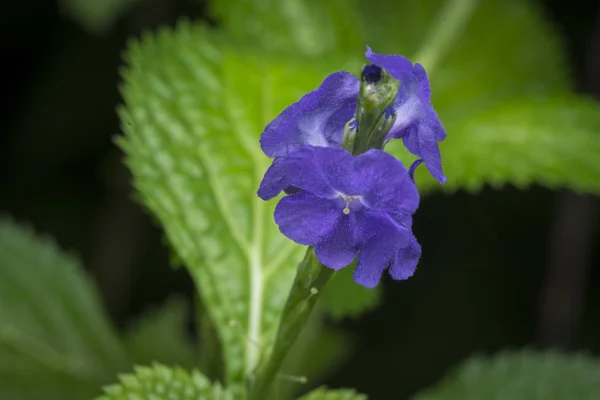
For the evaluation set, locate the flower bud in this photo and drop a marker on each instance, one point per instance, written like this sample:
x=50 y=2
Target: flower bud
x=374 y=113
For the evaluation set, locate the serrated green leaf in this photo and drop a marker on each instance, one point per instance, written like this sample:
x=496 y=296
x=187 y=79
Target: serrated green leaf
x=342 y=297
x=554 y=142
x=193 y=115
x=333 y=394
x=159 y=382
x=55 y=340
x=96 y=16
x=526 y=375
x=160 y=336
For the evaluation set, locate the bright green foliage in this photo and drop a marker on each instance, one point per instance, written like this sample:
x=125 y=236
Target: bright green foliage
x=160 y=336
x=524 y=44
x=55 y=340
x=163 y=383
x=96 y=15
x=312 y=27
x=342 y=297
x=192 y=120
x=506 y=48
x=524 y=375
x=333 y=394
x=553 y=141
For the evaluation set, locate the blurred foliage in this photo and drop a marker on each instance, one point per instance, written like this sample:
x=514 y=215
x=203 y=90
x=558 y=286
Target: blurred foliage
x=55 y=340
x=160 y=382
x=551 y=141
x=525 y=375
x=339 y=394
x=160 y=335
x=342 y=298
x=96 y=16
x=316 y=353
x=311 y=28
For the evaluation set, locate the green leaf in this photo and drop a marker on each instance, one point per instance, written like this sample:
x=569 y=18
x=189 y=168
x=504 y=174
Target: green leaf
x=96 y=16
x=160 y=336
x=526 y=49
x=505 y=48
x=311 y=27
x=342 y=297
x=55 y=340
x=553 y=141
x=526 y=375
x=333 y=394
x=163 y=383
x=193 y=115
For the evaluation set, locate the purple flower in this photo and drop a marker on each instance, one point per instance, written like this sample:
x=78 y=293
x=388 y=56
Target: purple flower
x=347 y=205
x=416 y=122
x=317 y=119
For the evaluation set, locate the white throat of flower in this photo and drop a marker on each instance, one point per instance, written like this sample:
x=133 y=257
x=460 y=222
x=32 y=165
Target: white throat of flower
x=347 y=200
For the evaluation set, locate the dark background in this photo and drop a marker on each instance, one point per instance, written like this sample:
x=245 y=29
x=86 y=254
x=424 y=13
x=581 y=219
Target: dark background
x=510 y=268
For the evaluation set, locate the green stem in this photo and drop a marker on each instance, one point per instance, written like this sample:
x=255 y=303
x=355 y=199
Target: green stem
x=451 y=21
x=310 y=279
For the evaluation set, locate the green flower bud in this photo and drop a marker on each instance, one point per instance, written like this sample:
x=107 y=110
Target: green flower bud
x=373 y=117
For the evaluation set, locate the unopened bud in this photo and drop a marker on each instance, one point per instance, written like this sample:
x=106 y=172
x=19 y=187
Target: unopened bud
x=373 y=117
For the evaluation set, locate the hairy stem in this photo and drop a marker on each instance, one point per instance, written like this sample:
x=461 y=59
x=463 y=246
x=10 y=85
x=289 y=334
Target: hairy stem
x=310 y=279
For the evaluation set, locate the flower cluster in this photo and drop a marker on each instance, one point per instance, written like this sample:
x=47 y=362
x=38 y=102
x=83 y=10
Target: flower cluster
x=343 y=199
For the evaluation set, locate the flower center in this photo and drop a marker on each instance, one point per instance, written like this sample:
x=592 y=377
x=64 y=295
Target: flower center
x=347 y=200
x=372 y=73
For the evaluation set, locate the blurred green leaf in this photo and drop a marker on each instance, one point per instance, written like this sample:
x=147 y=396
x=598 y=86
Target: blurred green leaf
x=160 y=336
x=526 y=375
x=194 y=111
x=552 y=141
x=505 y=42
x=333 y=394
x=159 y=382
x=506 y=48
x=309 y=27
x=342 y=297
x=328 y=349
x=55 y=340
x=96 y=16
